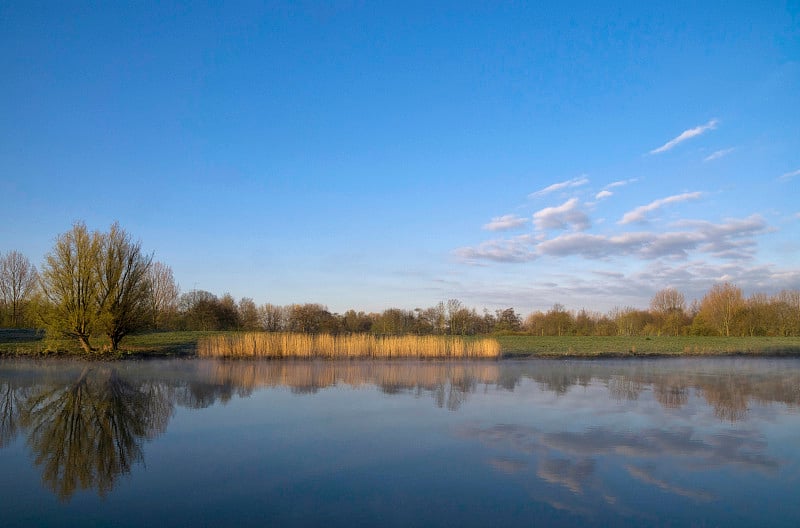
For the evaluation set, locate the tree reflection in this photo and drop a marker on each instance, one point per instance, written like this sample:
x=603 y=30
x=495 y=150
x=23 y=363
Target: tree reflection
x=87 y=433
x=9 y=412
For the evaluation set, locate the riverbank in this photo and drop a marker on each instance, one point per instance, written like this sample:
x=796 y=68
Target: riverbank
x=185 y=344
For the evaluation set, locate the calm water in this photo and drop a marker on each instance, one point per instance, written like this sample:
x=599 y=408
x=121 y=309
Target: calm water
x=697 y=442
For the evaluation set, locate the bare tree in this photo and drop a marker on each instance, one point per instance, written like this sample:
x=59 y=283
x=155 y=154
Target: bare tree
x=720 y=307
x=69 y=282
x=668 y=300
x=453 y=307
x=163 y=294
x=122 y=271
x=18 y=279
x=669 y=307
x=273 y=318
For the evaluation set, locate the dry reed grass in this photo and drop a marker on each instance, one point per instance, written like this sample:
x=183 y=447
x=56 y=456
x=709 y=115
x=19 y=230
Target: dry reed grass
x=293 y=345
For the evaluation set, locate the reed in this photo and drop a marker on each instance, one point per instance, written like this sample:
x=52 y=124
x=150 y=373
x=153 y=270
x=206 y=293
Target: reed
x=291 y=345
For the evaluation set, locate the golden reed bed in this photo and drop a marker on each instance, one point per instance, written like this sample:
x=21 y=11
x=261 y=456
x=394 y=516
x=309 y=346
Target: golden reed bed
x=357 y=346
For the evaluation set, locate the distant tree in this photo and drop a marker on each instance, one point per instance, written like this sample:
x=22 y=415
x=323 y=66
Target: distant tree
x=356 y=322
x=18 y=279
x=122 y=270
x=460 y=320
x=71 y=286
x=453 y=307
x=754 y=318
x=308 y=318
x=488 y=322
x=534 y=323
x=630 y=321
x=669 y=308
x=163 y=293
x=584 y=323
x=668 y=300
x=394 y=321
x=248 y=315
x=198 y=311
x=273 y=318
x=720 y=307
x=227 y=313
x=436 y=318
x=507 y=320
x=558 y=321
x=786 y=311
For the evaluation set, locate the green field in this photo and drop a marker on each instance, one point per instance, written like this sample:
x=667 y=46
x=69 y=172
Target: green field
x=619 y=346
x=183 y=344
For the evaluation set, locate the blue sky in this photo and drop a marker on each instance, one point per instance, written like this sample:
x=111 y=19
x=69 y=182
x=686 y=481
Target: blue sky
x=377 y=154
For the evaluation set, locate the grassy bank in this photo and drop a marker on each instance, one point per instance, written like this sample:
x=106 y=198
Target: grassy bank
x=619 y=346
x=153 y=344
x=185 y=344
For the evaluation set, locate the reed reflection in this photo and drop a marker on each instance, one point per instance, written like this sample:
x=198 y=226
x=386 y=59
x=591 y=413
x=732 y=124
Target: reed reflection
x=727 y=388
x=448 y=383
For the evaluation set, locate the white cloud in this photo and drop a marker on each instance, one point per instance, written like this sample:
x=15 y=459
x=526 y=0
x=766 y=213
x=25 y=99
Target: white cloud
x=603 y=194
x=562 y=217
x=686 y=134
x=718 y=154
x=517 y=249
x=639 y=214
x=505 y=222
x=575 y=182
x=620 y=183
x=789 y=175
x=732 y=240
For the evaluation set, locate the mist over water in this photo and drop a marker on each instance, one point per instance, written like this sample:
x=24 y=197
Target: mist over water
x=678 y=442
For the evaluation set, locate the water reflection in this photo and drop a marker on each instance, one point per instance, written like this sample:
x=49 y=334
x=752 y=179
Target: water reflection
x=86 y=424
x=657 y=458
x=726 y=385
x=86 y=431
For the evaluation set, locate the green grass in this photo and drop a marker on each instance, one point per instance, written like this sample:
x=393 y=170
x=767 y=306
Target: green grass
x=618 y=346
x=152 y=344
x=184 y=344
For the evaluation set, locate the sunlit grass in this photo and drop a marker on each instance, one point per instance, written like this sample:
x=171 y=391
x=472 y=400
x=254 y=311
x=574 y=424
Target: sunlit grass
x=293 y=345
x=620 y=346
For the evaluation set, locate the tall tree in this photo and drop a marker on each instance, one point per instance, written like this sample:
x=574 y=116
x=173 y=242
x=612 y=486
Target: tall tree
x=122 y=270
x=70 y=284
x=17 y=282
x=162 y=294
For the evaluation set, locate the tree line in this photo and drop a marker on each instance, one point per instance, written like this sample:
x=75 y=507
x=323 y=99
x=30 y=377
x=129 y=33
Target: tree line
x=95 y=283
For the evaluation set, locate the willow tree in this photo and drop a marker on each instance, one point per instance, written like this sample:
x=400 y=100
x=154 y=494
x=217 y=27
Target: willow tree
x=70 y=284
x=95 y=282
x=124 y=288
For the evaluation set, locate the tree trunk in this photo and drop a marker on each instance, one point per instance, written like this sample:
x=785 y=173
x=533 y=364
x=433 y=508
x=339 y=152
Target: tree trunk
x=85 y=345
